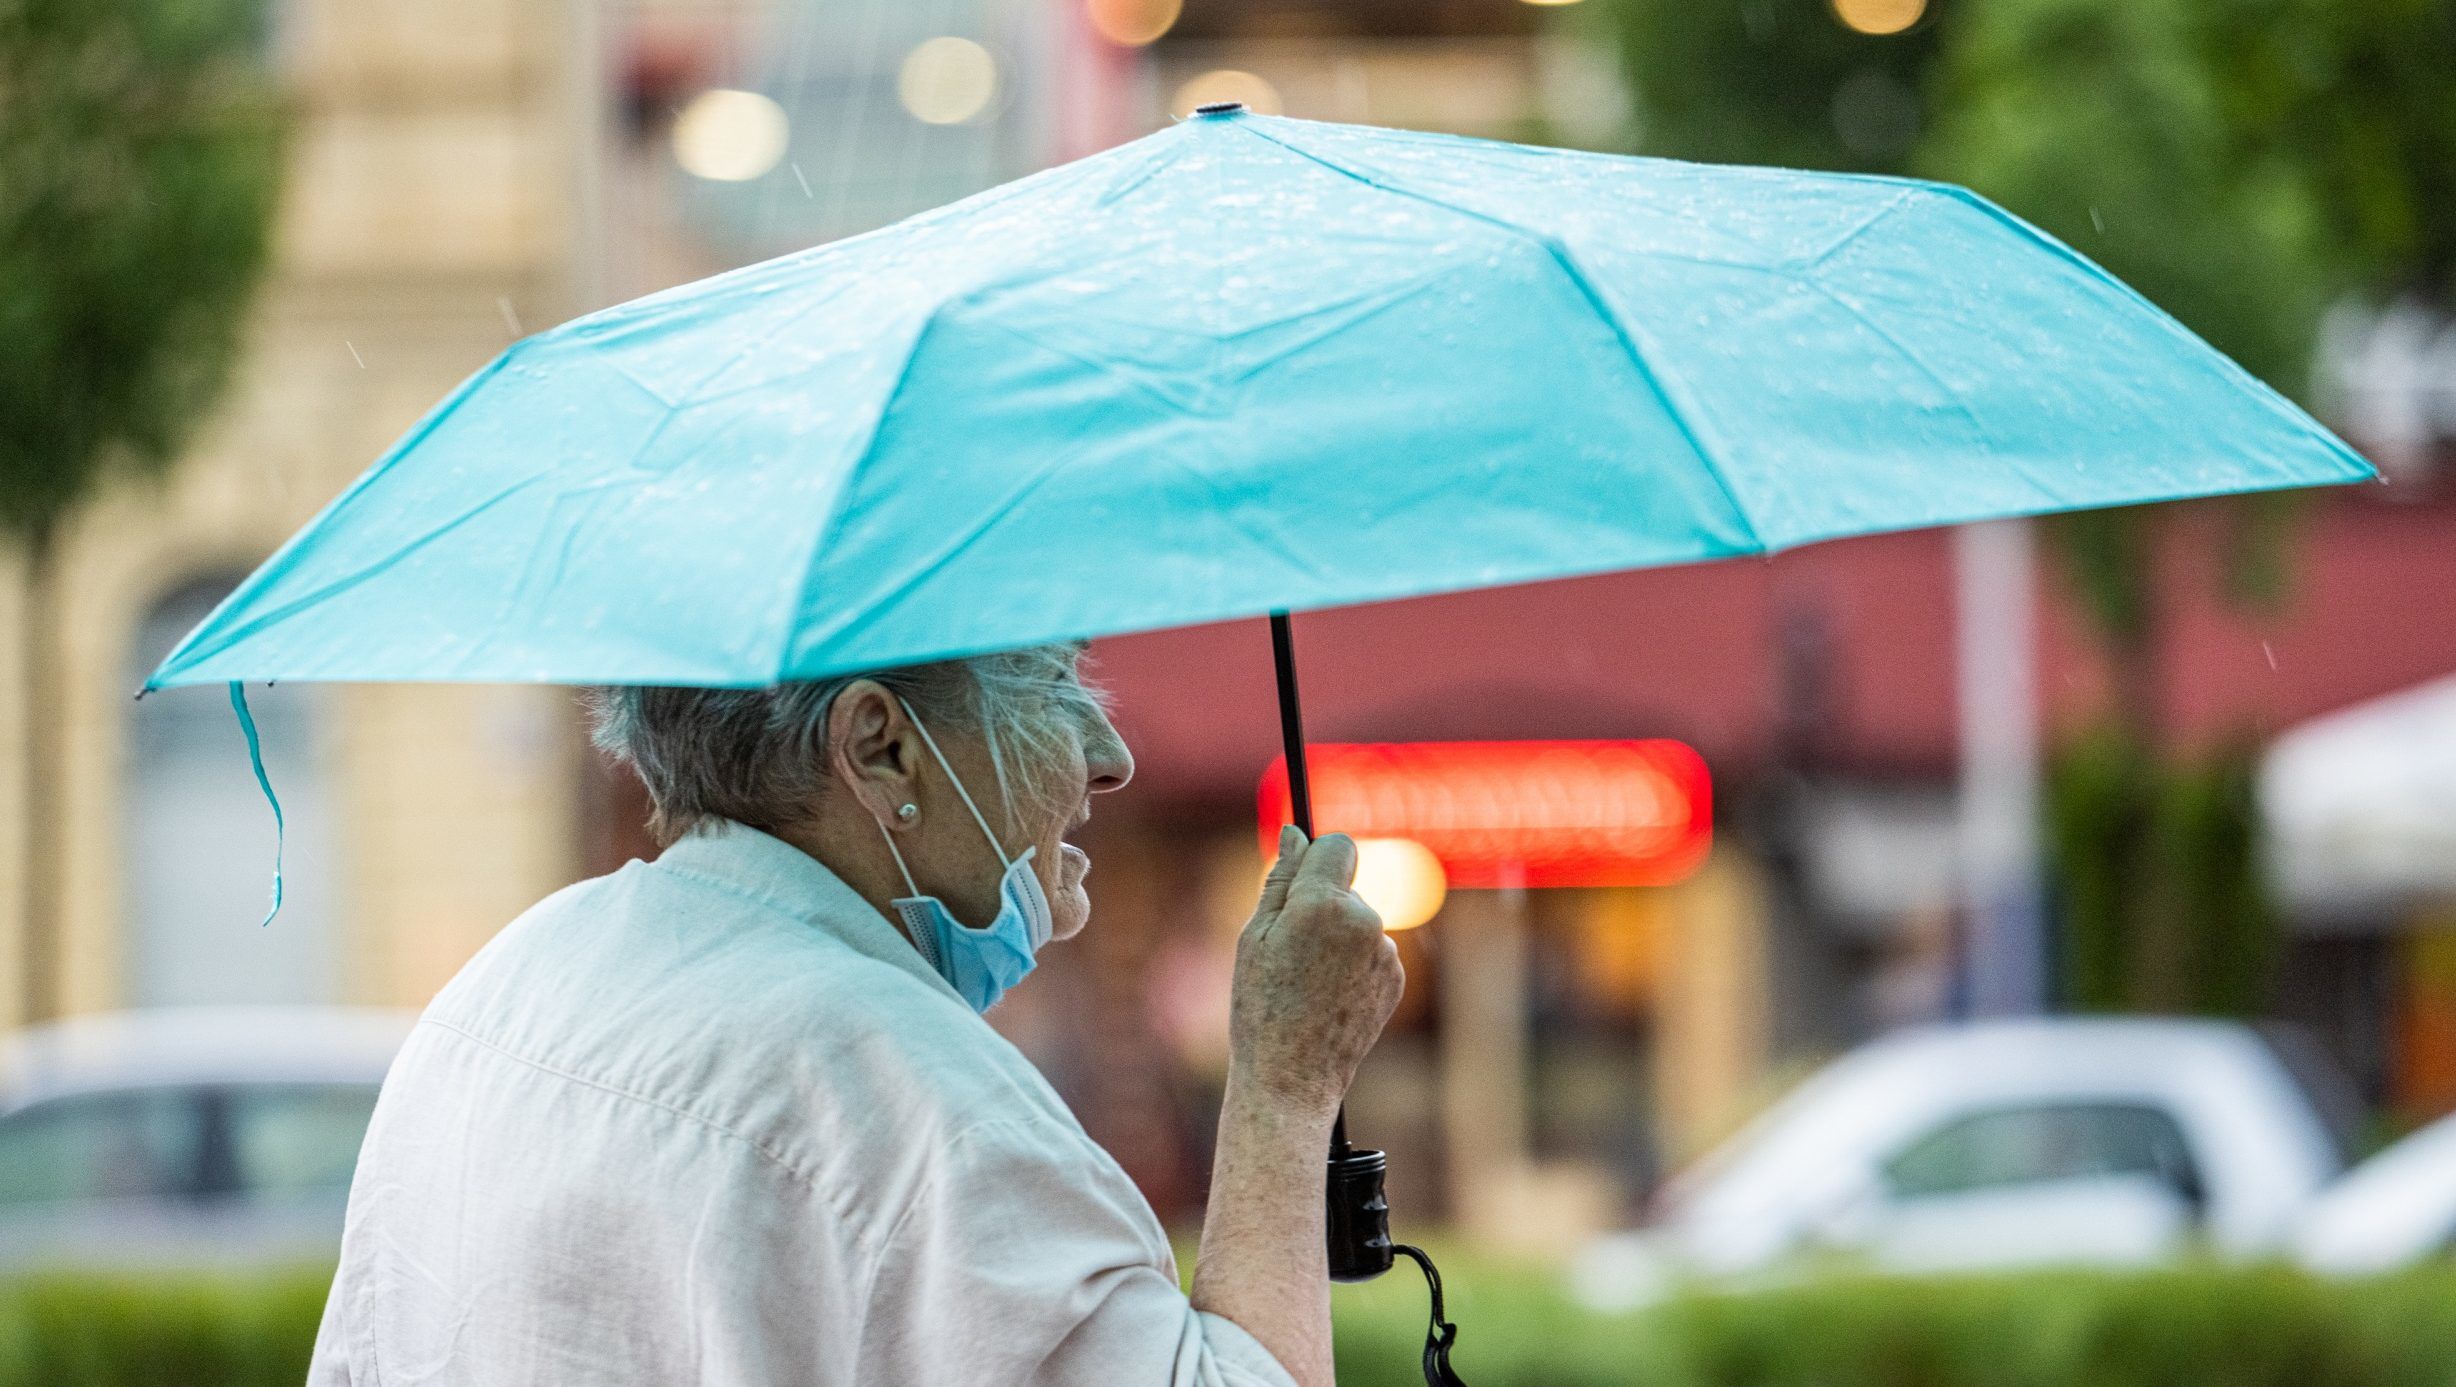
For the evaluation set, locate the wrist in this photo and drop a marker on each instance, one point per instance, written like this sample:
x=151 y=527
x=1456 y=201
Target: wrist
x=1299 y=1110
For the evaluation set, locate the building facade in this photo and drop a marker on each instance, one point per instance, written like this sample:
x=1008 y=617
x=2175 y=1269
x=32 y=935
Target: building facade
x=431 y=214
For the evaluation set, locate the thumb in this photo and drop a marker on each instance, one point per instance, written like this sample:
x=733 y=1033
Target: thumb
x=1283 y=872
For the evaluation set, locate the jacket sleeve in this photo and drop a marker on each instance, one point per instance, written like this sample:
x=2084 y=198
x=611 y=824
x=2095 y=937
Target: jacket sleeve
x=1024 y=1255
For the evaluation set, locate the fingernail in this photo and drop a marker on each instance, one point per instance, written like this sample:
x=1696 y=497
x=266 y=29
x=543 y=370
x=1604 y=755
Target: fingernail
x=1288 y=838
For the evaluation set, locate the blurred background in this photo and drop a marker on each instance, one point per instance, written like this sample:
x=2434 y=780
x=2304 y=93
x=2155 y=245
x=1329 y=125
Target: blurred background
x=2117 y=854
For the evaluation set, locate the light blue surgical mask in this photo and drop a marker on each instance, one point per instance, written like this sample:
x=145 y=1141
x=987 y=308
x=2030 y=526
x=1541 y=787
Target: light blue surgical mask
x=980 y=964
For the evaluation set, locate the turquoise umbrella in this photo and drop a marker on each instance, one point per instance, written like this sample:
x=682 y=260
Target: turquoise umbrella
x=1244 y=365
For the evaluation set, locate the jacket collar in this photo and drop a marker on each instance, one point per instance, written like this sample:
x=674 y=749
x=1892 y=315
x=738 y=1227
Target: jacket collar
x=744 y=861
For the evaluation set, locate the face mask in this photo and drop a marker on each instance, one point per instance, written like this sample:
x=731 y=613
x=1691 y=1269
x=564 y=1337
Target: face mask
x=980 y=964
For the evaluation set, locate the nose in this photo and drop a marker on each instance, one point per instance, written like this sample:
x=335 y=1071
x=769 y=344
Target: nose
x=1107 y=765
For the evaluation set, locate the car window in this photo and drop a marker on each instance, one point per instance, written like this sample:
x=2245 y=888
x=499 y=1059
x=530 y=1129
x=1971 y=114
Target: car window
x=130 y=1144
x=2015 y=1146
x=295 y=1138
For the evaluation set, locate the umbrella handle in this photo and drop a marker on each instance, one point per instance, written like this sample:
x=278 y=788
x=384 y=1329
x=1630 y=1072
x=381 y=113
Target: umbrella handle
x=1359 y=1216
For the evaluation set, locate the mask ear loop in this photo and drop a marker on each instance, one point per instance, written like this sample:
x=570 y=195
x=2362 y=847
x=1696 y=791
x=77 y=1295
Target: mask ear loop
x=911 y=887
x=955 y=780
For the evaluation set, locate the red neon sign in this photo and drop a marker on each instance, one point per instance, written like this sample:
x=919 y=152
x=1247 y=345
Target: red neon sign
x=1637 y=813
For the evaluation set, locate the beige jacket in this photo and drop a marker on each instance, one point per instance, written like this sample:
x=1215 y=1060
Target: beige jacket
x=712 y=1120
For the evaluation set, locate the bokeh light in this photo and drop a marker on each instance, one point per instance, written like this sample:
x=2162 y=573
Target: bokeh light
x=730 y=136
x=1879 y=16
x=947 y=80
x=1132 y=23
x=1227 y=84
x=1876 y=115
x=1401 y=879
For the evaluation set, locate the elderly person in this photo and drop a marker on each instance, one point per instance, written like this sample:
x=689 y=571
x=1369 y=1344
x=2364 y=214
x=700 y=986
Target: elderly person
x=734 y=1117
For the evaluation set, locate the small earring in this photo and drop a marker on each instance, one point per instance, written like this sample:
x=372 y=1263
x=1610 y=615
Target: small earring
x=906 y=813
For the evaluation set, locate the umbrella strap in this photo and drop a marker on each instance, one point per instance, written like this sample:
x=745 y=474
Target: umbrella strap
x=255 y=759
x=1439 y=1334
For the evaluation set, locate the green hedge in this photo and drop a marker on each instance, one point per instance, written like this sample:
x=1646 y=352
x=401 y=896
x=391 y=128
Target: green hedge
x=185 y=1331
x=2190 y=1327
x=2199 y=1326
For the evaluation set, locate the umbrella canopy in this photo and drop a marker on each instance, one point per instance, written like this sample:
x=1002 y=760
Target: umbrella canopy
x=1245 y=364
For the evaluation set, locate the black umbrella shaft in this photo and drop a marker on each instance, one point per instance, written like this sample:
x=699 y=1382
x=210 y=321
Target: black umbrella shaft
x=1300 y=784
x=1292 y=724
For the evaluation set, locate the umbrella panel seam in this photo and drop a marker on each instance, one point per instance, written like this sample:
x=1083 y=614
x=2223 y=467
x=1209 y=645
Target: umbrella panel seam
x=1565 y=260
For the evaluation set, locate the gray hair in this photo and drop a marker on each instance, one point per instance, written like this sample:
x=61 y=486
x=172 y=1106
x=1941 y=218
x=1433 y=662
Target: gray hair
x=760 y=756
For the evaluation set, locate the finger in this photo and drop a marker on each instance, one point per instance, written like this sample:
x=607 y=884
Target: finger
x=1283 y=872
x=1330 y=862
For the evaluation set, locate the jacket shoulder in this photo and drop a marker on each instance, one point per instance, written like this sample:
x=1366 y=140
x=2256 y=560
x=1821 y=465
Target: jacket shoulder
x=736 y=1014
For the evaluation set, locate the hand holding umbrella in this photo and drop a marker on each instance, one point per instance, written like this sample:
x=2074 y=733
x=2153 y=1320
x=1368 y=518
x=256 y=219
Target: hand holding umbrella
x=1315 y=980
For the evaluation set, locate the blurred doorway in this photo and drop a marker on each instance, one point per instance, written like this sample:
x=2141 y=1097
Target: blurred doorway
x=198 y=862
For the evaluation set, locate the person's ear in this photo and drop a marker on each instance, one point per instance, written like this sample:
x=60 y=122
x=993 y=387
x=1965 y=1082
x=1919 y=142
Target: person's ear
x=871 y=751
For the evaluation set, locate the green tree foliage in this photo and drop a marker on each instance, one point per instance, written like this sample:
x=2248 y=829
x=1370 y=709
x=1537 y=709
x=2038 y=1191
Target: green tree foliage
x=139 y=158
x=2361 y=96
x=1773 y=82
x=2156 y=862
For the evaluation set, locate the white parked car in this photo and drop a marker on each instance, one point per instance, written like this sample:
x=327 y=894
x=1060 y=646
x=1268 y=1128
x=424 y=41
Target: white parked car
x=186 y=1137
x=2391 y=1211
x=1993 y=1144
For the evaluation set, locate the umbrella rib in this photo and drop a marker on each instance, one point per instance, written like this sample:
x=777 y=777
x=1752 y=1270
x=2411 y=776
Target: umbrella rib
x=1560 y=255
x=334 y=587
x=788 y=625
x=918 y=573
x=185 y=653
x=1835 y=246
x=1151 y=168
x=1902 y=349
x=2277 y=403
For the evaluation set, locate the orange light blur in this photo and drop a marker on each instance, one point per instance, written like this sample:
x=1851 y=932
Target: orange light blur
x=1626 y=813
x=1132 y=23
x=1879 y=16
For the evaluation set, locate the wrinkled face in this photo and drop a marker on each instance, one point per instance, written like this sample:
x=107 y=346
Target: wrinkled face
x=1049 y=799
x=1094 y=761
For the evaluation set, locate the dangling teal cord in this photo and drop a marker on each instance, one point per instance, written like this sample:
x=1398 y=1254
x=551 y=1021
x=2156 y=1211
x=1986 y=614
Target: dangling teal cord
x=255 y=758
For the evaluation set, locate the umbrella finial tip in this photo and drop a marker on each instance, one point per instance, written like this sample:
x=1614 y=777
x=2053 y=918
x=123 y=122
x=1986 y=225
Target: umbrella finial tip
x=1216 y=109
